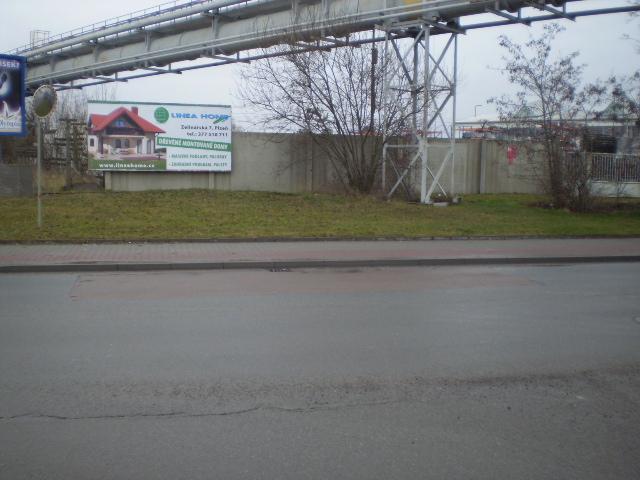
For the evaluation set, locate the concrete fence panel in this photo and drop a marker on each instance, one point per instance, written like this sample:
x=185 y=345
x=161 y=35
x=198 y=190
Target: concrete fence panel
x=16 y=180
x=291 y=163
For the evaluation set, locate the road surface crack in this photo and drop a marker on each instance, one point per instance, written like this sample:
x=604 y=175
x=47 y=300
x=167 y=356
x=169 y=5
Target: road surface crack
x=306 y=409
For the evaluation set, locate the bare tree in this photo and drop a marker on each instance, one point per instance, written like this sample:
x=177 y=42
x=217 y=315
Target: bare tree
x=625 y=91
x=103 y=92
x=625 y=97
x=72 y=104
x=65 y=142
x=547 y=110
x=334 y=96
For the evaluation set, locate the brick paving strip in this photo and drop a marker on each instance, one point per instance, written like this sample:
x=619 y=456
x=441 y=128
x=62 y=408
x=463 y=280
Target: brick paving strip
x=307 y=254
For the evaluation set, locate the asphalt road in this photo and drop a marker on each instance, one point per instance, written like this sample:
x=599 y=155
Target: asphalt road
x=480 y=372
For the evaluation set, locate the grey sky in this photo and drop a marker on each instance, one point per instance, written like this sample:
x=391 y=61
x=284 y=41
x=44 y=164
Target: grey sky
x=598 y=39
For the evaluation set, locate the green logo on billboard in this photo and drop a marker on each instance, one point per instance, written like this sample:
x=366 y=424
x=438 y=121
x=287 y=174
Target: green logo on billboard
x=161 y=114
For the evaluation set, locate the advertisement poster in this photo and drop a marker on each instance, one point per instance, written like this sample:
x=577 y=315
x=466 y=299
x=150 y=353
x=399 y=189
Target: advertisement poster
x=12 y=90
x=159 y=137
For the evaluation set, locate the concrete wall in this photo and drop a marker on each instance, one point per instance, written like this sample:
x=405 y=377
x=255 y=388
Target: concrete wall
x=261 y=162
x=480 y=166
x=612 y=189
x=498 y=175
x=16 y=180
x=291 y=163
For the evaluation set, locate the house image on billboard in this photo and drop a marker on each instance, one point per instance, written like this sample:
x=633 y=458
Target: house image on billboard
x=123 y=134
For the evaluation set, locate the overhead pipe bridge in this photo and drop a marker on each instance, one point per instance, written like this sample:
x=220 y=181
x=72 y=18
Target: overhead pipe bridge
x=228 y=30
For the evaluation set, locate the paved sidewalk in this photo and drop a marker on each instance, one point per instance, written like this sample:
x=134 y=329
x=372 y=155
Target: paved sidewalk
x=219 y=255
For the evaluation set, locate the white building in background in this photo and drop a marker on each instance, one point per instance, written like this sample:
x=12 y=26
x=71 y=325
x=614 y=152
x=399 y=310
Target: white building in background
x=123 y=133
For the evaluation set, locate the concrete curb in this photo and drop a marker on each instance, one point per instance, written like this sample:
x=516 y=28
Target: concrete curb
x=292 y=264
x=317 y=239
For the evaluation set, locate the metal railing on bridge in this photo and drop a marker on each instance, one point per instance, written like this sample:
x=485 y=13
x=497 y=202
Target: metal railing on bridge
x=110 y=22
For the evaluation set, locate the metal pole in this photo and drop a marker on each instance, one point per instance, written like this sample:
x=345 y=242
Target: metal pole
x=455 y=104
x=414 y=91
x=425 y=115
x=385 y=120
x=374 y=61
x=39 y=168
x=385 y=108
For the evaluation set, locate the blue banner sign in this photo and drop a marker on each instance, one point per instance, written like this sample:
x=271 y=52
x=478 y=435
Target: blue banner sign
x=12 y=92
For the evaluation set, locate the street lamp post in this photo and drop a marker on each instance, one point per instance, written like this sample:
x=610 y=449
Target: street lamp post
x=39 y=168
x=44 y=103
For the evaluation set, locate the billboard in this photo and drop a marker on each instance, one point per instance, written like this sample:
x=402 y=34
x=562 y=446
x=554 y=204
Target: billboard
x=12 y=90
x=173 y=137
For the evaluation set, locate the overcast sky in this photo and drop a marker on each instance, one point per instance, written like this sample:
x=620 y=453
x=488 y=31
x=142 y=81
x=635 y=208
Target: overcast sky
x=598 y=39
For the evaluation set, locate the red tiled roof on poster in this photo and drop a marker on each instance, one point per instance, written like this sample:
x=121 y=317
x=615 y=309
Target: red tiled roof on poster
x=100 y=122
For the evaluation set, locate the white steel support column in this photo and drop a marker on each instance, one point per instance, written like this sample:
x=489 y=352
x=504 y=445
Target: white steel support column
x=385 y=89
x=454 y=87
x=433 y=91
x=401 y=79
x=424 y=137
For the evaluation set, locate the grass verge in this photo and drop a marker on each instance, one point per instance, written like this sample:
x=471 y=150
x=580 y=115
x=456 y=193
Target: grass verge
x=176 y=215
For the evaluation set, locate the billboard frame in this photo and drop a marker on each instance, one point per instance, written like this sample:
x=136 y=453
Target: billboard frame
x=212 y=145
x=23 y=93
